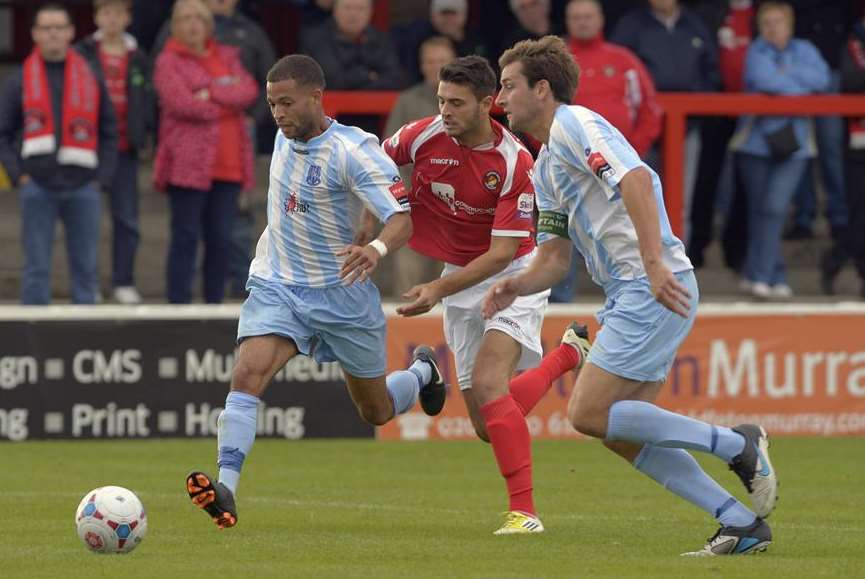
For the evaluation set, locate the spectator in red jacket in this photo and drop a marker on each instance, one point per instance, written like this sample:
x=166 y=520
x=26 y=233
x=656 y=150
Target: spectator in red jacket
x=204 y=157
x=614 y=83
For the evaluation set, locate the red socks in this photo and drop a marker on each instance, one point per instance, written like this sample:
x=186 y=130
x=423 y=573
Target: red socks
x=512 y=446
x=530 y=386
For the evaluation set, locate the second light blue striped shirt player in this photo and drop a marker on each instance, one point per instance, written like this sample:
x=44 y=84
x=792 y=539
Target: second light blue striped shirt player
x=592 y=157
x=310 y=213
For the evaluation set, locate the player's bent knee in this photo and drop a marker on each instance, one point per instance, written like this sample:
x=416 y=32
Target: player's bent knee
x=587 y=421
x=247 y=379
x=374 y=415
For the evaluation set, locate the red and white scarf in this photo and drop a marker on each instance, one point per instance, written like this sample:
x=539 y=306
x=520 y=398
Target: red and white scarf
x=857 y=126
x=79 y=134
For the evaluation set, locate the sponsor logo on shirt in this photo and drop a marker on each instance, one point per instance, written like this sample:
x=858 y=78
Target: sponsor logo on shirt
x=525 y=205
x=448 y=162
x=313 y=175
x=399 y=193
x=447 y=194
x=473 y=210
x=294 y=205
x=492 y=180
x=599 y=165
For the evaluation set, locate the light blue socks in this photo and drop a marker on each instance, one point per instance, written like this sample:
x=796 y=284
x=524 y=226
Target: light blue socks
x=637 y=421
x=677 y=471
x=237 y=422
x=403 y=385
x=235 y=435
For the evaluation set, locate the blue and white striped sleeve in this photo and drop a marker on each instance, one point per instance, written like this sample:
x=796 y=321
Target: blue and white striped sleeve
x=589 y=142
x=375 y=179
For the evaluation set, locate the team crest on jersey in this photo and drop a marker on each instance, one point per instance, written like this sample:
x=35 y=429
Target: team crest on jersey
x=492 y=180
x=599 y=166
x=295 y=205
x=313 y=175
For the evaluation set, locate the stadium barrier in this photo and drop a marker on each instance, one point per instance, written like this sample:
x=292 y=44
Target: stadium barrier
x=163 y=371
x=677 y=108
x=149 y=371
x=797 y=369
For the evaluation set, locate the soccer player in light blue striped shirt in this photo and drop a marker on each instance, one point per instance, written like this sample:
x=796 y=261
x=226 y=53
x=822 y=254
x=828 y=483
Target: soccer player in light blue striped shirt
x=594 y=193
x=309 y=286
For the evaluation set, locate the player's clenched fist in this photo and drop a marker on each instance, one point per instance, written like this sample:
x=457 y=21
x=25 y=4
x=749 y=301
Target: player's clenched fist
x=359 y=263
x=500 y=296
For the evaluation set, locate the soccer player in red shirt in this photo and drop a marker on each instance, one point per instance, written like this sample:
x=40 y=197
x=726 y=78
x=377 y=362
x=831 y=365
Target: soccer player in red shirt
x=472 y=205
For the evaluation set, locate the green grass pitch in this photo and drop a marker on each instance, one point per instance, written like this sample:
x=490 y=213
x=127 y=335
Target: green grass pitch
x=378 y=510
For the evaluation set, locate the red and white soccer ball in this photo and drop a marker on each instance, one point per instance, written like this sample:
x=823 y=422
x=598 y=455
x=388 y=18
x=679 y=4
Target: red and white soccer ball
x=111 y=520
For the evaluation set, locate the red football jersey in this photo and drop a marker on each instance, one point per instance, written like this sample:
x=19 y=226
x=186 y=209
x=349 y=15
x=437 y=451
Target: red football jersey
x=460 y=196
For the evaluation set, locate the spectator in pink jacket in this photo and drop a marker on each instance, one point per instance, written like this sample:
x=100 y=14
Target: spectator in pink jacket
x=204 y=157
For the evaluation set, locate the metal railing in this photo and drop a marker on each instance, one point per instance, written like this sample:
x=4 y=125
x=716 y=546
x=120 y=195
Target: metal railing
x=677 y=108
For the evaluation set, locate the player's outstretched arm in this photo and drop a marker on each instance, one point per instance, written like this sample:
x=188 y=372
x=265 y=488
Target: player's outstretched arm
x=547 y=268
x=361 y=261
x=639 y=198
x=424 y=296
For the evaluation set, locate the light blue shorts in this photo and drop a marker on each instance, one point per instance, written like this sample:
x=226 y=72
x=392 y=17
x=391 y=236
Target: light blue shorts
x=331 y=324
x=639 y=337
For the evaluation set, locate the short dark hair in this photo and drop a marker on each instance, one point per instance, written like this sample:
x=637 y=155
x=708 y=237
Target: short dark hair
x=304 y=70
x=51 y=7
x=546 y=59
x=473 y=71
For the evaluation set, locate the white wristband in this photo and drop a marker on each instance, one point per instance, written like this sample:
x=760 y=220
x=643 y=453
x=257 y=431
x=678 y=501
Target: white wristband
x=379 y=246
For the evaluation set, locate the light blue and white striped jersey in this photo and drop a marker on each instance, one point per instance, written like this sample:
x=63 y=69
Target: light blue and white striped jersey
x=310 y=211
x=577 y=173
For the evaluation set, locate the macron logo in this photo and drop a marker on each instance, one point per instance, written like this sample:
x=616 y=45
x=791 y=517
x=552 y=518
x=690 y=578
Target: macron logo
x=448 y=162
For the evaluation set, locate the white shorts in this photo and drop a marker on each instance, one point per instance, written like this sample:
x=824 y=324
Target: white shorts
x=464 y=326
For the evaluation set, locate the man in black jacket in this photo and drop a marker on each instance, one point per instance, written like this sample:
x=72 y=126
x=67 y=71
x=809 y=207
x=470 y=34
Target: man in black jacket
x=447 y=18
x=58 y=106
x=125 y=69
x=851 y=245
x=353 y=54
x=827 y=25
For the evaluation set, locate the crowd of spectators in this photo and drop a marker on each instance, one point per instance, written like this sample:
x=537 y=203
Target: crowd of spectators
x=75 y=119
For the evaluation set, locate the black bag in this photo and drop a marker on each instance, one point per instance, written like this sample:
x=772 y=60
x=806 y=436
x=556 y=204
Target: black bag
x=782 y=142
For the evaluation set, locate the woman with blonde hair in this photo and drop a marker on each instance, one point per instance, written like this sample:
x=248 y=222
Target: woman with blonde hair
x=204 y=157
